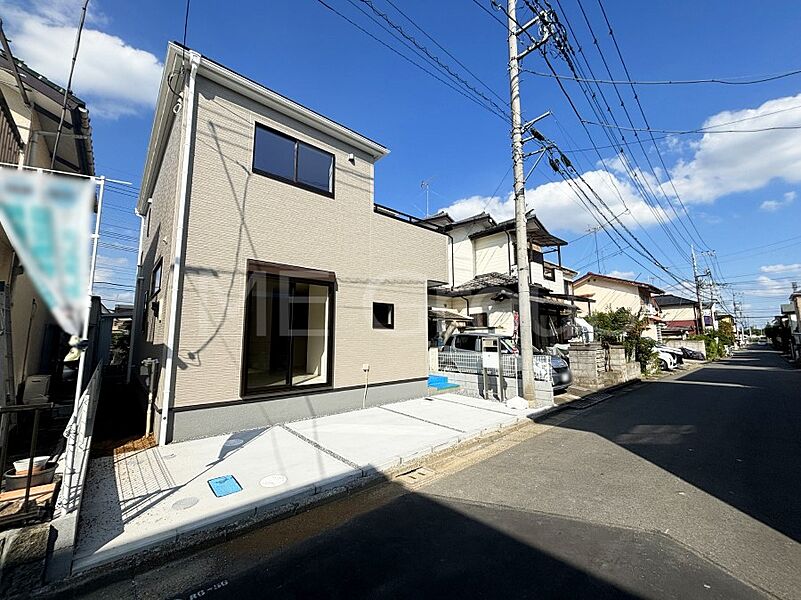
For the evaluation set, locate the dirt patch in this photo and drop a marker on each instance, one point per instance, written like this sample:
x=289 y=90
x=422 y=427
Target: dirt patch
x=117 y=447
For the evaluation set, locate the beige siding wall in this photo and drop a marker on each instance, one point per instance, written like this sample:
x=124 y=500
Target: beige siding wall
x=608 y=295
x=158 y=243
x=236 y=215
x=538 y=276
x=492 y=254
x=463 y=263
x=678 y=313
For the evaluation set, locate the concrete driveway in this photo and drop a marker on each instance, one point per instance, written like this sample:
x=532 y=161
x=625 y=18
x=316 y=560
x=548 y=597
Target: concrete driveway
x=680 y=488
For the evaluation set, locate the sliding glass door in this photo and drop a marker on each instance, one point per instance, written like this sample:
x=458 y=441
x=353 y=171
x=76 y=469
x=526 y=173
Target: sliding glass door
x=288 y=333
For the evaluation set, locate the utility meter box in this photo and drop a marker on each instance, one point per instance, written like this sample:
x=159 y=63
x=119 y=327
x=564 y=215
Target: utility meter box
x=491 y=353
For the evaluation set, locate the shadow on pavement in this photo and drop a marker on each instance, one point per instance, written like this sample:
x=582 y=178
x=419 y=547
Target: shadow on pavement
x=414 y=546
x=732 y=429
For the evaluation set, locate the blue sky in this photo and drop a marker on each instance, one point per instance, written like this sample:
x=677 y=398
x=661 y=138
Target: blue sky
x=740 y=188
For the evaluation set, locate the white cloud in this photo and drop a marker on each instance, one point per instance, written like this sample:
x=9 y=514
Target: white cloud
x=726 y=163
x=622 y=274
x=112 y=261
x=774 y=205
x=557 y=204
x=781 y=268
x=769 y=288
x=114 y=78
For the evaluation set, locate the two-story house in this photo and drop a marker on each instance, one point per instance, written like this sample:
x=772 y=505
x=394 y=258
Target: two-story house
x=483 y=280
x=611 y=293
x=680 y=315
x=30 y=110
x=271 y=286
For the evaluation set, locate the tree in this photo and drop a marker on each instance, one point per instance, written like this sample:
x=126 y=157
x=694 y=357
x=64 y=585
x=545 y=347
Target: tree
x=624 y=326
x=726 y=333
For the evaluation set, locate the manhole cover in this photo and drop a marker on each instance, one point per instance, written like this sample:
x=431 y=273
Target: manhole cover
x=273 y=481
x=185 y=503
x=233 y=442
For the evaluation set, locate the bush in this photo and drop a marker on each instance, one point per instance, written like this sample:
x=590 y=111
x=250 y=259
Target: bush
x=712 y=348
x=644 y=351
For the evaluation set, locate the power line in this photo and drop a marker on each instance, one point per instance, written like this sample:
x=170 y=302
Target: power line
x=749 y=80
x=647 y=124
x=692 y=131
x=412 y=61
x=656 y=208
x=119 y=285
x=431 y=56
x=117 y=247
x=460 y=63
x=68 y=89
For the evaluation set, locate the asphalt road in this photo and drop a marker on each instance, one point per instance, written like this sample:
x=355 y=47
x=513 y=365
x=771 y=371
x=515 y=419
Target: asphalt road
x=687 y=487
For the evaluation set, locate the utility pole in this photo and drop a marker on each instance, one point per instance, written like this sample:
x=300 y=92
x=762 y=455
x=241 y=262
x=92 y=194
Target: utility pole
x=521 y=221
x=594 y=231
x=697 y=280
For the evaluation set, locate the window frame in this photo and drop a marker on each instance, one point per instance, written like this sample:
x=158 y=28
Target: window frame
x=158 y=266
x=546 y=269
x=293 y=182
x=377 y=324
x=291 y=275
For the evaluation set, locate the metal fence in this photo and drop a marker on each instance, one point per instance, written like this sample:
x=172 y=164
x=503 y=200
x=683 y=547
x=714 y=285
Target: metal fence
x=79 y=438
x=465 y=361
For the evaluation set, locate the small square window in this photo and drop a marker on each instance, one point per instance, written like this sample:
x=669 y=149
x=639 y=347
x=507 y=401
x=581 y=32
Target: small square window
x=383 y=315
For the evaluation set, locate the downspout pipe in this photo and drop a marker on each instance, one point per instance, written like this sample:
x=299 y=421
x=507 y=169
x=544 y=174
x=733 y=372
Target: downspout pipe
x=136 y=318
x=509 y=251
x=180 y=240
x=453 y=271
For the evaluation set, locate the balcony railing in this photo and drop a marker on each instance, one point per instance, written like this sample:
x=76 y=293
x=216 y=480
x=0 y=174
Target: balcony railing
x=10 y=139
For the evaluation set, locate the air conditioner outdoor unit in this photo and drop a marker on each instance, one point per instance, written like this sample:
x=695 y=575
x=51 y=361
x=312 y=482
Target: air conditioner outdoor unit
x=37 y=389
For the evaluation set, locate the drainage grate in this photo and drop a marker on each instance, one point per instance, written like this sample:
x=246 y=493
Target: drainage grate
x=588 y=401
x=415 y=476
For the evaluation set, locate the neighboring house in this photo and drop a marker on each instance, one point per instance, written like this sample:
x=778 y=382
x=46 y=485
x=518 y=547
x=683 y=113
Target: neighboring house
x=613 y=293
x=30 y=108
x=483 y=280
x=271 y=286
x=795 y=301
x=680 y=315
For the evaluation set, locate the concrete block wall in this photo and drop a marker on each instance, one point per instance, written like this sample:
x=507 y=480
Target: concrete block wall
x=697 y=345
x=472 y=384
x=589 y=367
x=586 y=364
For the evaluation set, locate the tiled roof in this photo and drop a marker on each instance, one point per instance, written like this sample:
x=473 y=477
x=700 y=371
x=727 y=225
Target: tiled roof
x=486 y=282
x=651 y=288
x=671 y=300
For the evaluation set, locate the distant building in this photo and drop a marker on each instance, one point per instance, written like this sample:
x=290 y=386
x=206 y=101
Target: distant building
x=483 y=289
x=679 y=315
x=612 y=293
